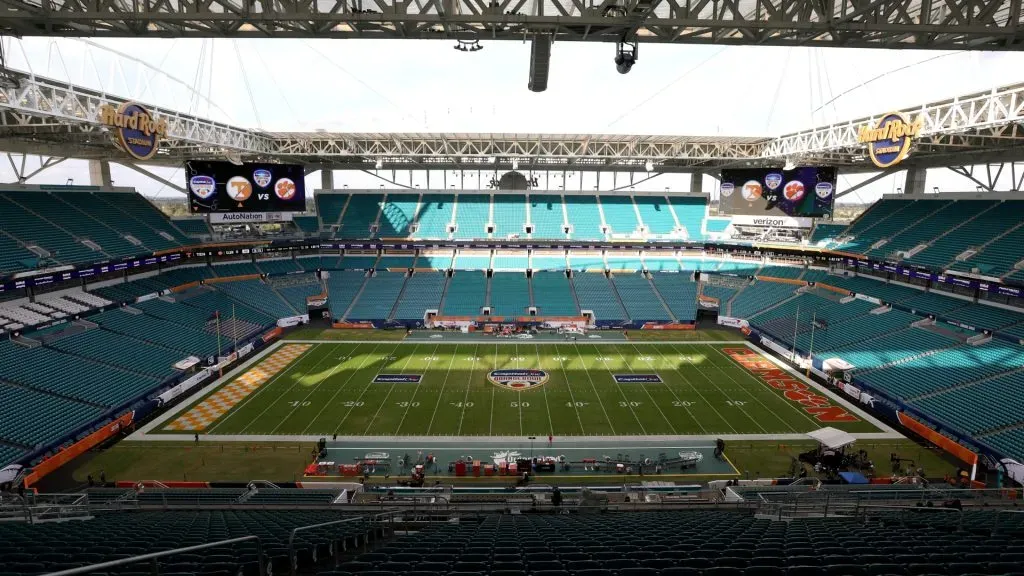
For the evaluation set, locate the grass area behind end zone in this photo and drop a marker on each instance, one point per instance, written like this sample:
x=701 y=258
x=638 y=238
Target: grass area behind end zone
x=241 y=462
x=702 y=391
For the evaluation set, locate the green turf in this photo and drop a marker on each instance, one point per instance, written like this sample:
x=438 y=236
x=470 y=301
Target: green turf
x=329 y=390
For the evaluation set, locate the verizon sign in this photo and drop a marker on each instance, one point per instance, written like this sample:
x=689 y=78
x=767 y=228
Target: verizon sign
x=772 y=221
x=249 y=217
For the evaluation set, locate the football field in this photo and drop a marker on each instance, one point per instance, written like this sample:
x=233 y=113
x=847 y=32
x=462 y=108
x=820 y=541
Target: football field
x=512 y=388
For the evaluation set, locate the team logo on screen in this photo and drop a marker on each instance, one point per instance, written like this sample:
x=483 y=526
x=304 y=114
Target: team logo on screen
x=823 y=189
x=752 y=191
x=794 y=191
x=262 y=178
x=239 y=189
x=285 y=189
x=202 y=186
x=773 y=180
x=517 y=379
x=727 y=189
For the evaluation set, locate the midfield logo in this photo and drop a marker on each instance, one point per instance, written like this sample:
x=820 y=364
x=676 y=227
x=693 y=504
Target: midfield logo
x=518 y=379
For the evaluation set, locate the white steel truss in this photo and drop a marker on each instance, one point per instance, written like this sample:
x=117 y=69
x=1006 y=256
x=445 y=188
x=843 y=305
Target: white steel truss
x=50 y=118
x=946 y=24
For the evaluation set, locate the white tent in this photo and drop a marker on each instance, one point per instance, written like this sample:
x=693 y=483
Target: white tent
x=832 y=438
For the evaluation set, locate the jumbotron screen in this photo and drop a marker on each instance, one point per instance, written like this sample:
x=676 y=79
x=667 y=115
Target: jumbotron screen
x=227 y=187
x=804 y=192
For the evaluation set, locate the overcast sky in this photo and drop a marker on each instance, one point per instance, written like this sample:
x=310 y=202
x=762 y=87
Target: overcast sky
x=426 y=86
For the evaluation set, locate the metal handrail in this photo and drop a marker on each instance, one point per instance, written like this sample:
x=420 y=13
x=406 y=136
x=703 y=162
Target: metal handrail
x=995 y=529
x=292 y=560
x=154 y=556
x=915 y=509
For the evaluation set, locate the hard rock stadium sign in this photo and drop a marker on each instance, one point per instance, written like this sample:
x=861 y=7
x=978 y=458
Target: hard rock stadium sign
x=138 y=132
x=889 y=142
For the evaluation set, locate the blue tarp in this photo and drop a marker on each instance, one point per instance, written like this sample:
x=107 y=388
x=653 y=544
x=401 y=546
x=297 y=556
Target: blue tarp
x=853 y=478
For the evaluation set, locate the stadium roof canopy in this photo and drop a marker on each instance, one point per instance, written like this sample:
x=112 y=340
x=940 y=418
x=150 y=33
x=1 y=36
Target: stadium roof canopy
x=951 y=24
x=57 y=119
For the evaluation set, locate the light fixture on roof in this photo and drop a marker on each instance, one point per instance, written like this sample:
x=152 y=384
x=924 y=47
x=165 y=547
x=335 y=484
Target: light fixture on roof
x=379 y=164
x=515 y=164
x=649 y=166
x=491 y=159
x=468 y=45
x=789 y=164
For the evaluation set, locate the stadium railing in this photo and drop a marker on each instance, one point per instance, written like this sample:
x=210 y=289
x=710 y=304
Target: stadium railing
x=154 y=557
x=376 y=521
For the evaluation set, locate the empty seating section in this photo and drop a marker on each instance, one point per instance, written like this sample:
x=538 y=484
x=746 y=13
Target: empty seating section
x=655 y=214
x=985 y=317
x=396 y=262
x=547 y=216
x=143 y=212
x=235 y=269
x=584 y=216
x=976 y=408
x=758 y=296
x=378 y=296
x=548 y=262
x=72 y=216
x=773 y=271
x=615 y=263
x=839 y=333
x=295 y=295
x=330 y=207
x=691 y=211
x=434 y=216
x=360 y=214
x=121 y=351
x=871 y=287
x=342 y=288
x=174 y=312
x=465 y=261
x=278 y=266
x=595 y=293
x=435 y=261
x=586 y=261
x=552 y=294
x=738 y=268
x=720 y=224
x=931 y=303
x=13 y=257
x=619 y=214
x=423 y=291
x=308 y=225
x=183 y=275
x=509 y=215
x=510 y=294
x=510 y=262
x=919 y=223
x=811 y=275
x=1003 y=250
x=10 y=454
x=353 y=262
x=158 y=331
x=196 y=227
x=309 y=263
x=1010 y=441
x=680 y=294
x=43 y=548
x=799 y=314
x=876 y=213
x=31 y=229
x=211 y=301
x=32 y=418
x=259 y=295
x=945 y=369
x=655 y=264
x=69 y=376
x=472 y=213
x=984 y=220
x=111 y=213
x=891 y=347
x=397 y=214
x=722 y=293
x=466 y=294
x=824 y=232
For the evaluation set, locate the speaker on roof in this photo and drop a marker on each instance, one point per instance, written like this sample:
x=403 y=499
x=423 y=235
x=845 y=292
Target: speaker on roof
x=540 y=62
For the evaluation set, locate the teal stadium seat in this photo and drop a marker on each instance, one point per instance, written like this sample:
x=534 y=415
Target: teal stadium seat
x=423 y=291
x=637 y=295
x=397 y=213
x=656 y=214
x=329 y=207
x=342 y=287
x=679 y=292
x=466 y=294
x=692 y=212
x=619 y=214
x=510 y=294
x=360 y=214
x=434 y=216
x=547 y=215
x=584 y=217
x=378 y=297
x=509 y=215
x=595 y=293
x=553 y=294
x=472 y=213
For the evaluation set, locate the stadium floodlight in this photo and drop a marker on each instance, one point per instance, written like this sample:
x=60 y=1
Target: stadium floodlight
x=789 y=164
x=515 y=164
x=379 y=164
x=625 y=56
x=649 y=166
x=468 y=45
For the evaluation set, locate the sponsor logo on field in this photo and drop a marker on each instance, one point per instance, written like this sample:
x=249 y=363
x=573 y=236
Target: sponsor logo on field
x=637 y=378
x=518 y=379
x=397 y=378
x=890 y=141
x=792 y=388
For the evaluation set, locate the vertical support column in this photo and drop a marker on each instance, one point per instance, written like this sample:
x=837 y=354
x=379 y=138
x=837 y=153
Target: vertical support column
x=99 y=173
x=696 y=182
x=915 y=181
x=326 y=178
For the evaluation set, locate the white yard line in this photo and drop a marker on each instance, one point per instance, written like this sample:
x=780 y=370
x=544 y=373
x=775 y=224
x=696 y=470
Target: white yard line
x=392 y=389
x=440 y=394
x=565 y=376
x=713 y=383
x=342 y=387
x=363 y=392
x=551 y=423
x=322 y=380
x=653 y=401
x=697 y=391
x=674 y=395
x=623 y=394
x=594 y=387
x=469 y=384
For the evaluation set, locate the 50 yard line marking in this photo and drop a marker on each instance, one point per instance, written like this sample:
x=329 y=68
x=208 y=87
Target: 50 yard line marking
x=342 y=387
x=440 y=395
x=551 y=423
